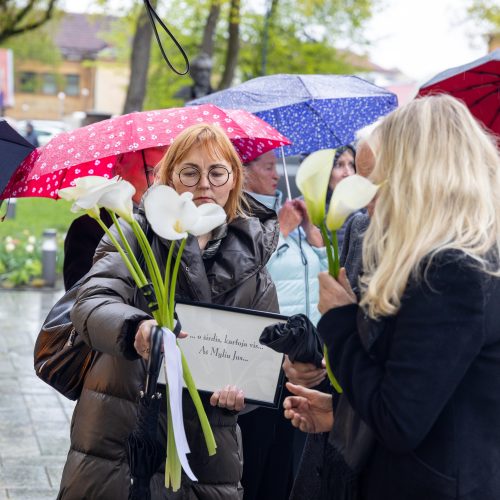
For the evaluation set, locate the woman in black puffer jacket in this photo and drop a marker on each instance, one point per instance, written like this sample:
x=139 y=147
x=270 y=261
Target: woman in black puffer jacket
x=225 y=267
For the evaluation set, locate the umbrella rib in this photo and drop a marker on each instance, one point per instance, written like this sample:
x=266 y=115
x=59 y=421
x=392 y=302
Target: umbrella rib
x=480 y=72
x=479 y=86
x=319 y=115
x=482 y=98
x=494 y=119
x=17 y=143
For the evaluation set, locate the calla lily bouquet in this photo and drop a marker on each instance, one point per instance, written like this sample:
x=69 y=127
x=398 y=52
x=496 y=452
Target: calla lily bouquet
x=172 y=217
x=351 y=194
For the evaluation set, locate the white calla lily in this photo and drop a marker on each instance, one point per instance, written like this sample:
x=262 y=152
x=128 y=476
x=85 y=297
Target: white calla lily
x=171 y=215
x=118 y=198
x=312 y=179
x=211 y=216
x=93 y=192
x=350 y=194
x=82 y=186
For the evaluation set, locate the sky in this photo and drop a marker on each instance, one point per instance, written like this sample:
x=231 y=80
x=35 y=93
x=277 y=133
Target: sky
x=421 y=38
x=424 y=37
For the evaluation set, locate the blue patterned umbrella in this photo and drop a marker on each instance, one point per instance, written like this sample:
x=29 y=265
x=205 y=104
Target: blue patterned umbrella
x=313 y=111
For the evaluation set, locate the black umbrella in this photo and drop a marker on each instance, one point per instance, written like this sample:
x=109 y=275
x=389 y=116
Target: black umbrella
x=14 y=148
x=145 y=453
x=298 y=338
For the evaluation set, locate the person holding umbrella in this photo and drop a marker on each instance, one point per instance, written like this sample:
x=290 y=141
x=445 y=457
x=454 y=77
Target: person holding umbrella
x=84 y=233
x=418 y=356
x=116 y=322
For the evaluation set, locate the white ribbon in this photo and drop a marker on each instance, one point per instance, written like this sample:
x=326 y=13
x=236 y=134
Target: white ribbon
x=173 y=375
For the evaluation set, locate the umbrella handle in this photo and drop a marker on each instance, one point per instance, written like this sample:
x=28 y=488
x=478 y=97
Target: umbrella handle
x=154 y=361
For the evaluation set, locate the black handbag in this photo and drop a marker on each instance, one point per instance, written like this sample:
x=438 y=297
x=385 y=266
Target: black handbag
x=61 y=357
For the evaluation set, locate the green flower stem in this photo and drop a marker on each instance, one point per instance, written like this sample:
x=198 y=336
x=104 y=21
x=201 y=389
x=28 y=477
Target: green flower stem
x=128 y=249
x=205 y=425
x=173 y=464
x=173 y=283
x=166 y=283
x=336 y=263
x=329 y=252
x=152 y=265
x=332 y=252
x=331 y=376
x=122 y=253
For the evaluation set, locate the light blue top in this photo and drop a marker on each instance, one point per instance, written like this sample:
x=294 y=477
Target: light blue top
x=294 y=268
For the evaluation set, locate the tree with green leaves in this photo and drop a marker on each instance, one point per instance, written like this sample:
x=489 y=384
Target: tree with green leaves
x=16 y=18
x=487 y=11
x=296 y=37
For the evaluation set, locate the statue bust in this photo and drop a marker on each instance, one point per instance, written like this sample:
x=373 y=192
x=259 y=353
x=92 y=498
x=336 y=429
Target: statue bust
x=200 y=72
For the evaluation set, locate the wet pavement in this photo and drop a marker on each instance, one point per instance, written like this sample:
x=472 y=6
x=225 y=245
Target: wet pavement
x=34 y=418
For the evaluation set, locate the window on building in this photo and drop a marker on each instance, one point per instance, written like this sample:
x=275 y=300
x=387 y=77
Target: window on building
x=72 y=85
x=49 y=84
x=27 y=82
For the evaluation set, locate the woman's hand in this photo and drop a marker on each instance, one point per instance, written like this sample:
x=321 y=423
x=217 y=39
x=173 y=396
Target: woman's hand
x=304 y=374
x=230 y=398
x=289 y=218
x=313 y=234
x=334 y=293
x=142 y=342
x=309 y=410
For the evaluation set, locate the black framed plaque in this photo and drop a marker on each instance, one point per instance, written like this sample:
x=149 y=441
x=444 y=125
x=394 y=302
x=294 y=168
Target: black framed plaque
x=223 y=348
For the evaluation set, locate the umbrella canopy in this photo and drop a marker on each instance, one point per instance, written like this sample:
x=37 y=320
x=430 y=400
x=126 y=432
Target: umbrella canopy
x=94 y=149
x=477 y=84
x=313 y=111
x=14 y=148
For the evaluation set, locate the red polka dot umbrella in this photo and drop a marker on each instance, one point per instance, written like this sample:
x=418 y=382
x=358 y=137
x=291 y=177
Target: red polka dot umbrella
x=94 y=149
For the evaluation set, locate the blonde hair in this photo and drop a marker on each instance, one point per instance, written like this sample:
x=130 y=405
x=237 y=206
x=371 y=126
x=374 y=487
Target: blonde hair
x=441 y=190
x=216 y=143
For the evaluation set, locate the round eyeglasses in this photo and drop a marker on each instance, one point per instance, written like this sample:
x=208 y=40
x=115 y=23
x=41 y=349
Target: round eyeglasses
x=217 y=176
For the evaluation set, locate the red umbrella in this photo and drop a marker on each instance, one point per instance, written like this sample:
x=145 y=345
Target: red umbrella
x=477 y=84
x=94 y=149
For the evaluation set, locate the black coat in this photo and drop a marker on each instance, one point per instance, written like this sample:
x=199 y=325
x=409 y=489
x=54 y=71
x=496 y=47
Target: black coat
x=427 y=382
x=107 y=313
x=80 y=243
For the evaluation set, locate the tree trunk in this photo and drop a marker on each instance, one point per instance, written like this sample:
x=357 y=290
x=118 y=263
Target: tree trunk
x=139 y=62
x=207 y=44
x=233 y=45
x=270 y=11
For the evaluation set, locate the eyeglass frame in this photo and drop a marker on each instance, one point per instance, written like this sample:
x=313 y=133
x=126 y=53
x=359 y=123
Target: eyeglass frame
x=229 y=172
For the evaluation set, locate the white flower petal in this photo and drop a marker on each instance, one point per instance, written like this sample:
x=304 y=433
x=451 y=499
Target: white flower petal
x=82 y=186
x=211 y=216
x=350 y=194
x=312 y=180
x=118 y=198
x=169 y=213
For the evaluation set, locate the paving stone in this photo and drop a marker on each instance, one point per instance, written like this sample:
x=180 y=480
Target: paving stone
x=31 y=494
x=16 y=476
x=54 y=473
x=34 y=419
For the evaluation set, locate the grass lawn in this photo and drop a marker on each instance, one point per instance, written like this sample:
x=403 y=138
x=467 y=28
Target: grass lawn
x=35 y=215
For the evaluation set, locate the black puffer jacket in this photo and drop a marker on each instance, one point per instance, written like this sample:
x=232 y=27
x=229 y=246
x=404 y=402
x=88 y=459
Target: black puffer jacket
x=107 y=315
